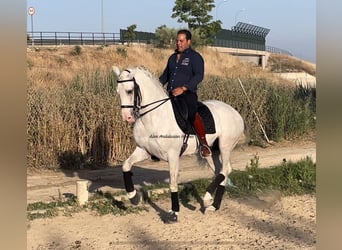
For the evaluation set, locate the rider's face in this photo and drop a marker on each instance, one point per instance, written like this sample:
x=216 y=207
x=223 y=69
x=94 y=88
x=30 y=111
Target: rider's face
x=182 y=43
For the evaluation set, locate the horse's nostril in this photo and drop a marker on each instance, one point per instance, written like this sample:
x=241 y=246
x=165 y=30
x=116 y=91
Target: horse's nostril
x=130 y=118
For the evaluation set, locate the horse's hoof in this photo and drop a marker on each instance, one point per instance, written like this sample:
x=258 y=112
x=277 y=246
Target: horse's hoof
x=209 y=210
x=207 y=200
x=172 y=217
x=136 y=199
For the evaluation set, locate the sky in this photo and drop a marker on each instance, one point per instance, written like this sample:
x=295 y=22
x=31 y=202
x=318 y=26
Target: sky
x=292 y=23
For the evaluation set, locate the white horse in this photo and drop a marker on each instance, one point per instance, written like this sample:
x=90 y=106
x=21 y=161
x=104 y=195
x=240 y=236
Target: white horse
x=146 y=104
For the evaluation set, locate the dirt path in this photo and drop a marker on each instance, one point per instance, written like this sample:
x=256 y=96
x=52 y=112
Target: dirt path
x=279 y=223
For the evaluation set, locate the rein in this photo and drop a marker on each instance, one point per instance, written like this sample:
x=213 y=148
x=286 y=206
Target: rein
x=137 y=100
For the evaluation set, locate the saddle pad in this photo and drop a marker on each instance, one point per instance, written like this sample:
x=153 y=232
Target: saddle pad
x=203 y=111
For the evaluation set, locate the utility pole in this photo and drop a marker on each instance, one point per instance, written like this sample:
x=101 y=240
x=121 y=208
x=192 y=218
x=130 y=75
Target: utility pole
x=31 y=12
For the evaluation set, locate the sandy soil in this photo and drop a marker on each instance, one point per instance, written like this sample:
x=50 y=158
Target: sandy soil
x=269 y=221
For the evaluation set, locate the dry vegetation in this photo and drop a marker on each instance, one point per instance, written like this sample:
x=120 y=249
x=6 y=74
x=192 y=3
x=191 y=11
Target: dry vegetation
x=73 y=110
x=282 y=63
x=58 y=65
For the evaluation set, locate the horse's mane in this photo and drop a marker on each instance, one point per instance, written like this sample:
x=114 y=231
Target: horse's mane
x=148 y=74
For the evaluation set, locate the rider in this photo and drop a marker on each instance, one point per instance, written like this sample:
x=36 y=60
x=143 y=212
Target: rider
x=183 y=72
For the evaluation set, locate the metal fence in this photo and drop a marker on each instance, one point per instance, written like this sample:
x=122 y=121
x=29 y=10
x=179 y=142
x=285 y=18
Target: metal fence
x=226 y=38
x=278 y=50
x=85 y=38
x=240 y=40
x=72 y=38
x=238 y=44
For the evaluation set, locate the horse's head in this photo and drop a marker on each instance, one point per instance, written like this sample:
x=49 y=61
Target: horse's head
x=128 y=92
x=140 y=92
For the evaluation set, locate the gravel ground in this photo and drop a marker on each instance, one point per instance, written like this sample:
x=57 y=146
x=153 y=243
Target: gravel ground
x=269 y=221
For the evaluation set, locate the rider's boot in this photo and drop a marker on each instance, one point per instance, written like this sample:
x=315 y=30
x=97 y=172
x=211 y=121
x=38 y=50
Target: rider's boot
x=200 y=130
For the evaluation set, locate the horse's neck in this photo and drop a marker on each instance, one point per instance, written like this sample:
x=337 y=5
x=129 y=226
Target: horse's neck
x=160 y=121
x=162 y=117
x=152 y=95
x=151 y=91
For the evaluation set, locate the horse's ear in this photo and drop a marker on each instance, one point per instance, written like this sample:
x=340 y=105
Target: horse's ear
x=116 y=70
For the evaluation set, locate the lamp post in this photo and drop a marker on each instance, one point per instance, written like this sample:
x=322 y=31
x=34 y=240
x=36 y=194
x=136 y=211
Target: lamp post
x=104 y=39
x=237 y=13
x=218 y=5
x=102 y=16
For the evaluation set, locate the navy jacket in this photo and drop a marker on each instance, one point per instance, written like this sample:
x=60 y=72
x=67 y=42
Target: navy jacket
x=188 y=72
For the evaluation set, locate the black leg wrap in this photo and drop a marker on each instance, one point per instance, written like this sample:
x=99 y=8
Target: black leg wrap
x=215 y=183
x=175 y=201
x=218 y=196
x=128 y=181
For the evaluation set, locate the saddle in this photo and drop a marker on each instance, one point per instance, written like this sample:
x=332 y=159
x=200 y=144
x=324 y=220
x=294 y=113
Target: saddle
x=180 y=111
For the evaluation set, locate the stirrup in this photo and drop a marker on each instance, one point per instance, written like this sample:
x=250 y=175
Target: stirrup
x=204 y=151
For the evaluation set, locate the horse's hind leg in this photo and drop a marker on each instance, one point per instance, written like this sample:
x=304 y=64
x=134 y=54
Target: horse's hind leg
x=219 y=183
x=226 y=170
x=138 y=155
x=215 y=164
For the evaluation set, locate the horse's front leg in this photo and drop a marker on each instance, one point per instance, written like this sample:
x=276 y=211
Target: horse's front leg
x=139 y=154
x=173 y=161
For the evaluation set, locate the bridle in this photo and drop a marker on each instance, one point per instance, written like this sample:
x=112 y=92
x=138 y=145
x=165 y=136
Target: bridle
x=137 y=99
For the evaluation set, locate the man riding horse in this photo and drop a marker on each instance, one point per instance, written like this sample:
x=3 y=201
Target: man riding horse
x=183 y=72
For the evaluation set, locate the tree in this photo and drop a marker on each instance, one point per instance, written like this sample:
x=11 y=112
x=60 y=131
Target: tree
x=196 y=14
x=130 y=33
x=165 y=36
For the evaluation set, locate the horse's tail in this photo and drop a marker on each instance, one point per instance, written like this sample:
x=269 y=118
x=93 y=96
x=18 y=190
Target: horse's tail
x=246 y=135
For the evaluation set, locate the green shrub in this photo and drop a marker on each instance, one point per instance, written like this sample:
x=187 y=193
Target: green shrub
x=76 y=51
x=284 y=112
x=291 y=111
x=288 y=178
x=122 y=51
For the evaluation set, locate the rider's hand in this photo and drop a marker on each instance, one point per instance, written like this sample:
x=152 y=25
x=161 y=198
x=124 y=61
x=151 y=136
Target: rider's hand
x=178 y=91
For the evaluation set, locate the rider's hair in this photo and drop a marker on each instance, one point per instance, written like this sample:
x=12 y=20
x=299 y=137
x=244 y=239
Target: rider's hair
x=187 y=33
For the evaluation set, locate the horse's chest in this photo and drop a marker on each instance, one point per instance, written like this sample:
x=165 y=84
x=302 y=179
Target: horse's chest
x=154 y=139
x=142 y=134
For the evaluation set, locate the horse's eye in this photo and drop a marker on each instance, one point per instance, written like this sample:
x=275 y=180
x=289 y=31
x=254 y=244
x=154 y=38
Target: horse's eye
x=129 y=92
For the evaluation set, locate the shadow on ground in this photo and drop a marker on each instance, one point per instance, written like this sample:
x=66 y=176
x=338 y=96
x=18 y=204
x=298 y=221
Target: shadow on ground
x=113 y=178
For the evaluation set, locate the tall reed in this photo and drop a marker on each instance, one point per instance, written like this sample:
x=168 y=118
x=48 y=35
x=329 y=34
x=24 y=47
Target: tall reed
x=76 y=125
x=80 y=125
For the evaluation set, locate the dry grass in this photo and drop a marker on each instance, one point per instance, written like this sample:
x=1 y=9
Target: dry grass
x=58 y=65
x=48 y=66
x=283 y=63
